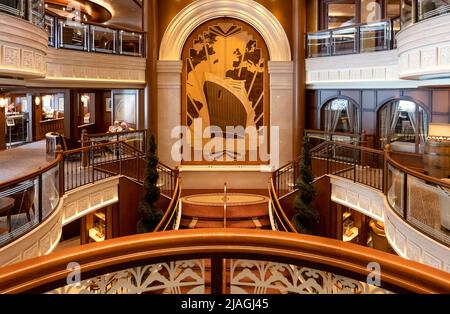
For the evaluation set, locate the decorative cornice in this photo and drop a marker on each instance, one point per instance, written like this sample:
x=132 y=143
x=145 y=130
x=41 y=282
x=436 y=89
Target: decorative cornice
x=424 y=49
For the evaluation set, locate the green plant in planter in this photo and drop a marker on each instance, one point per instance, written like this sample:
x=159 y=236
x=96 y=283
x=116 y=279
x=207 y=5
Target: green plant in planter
x=306 y=217
x=150 y=214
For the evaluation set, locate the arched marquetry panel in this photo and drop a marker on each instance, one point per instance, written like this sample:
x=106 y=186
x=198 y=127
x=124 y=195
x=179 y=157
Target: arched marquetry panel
x=225 y=83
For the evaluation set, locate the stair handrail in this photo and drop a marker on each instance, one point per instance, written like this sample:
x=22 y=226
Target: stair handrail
x=278 y=209
x=42 y=274
x=171 y=210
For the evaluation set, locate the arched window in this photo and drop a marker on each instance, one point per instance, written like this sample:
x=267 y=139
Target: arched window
x=404 y=125
x=340 y=115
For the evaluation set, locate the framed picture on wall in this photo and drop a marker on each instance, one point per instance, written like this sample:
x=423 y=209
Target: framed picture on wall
x=125 y=104
x=108 y=104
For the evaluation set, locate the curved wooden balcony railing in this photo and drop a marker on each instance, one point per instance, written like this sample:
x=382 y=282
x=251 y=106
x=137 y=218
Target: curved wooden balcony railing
x=36 y=196
x=30 y=195
x=134 y=264
x=422 y=201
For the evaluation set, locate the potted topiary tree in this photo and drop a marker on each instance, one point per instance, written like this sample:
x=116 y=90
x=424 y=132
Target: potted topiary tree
x=150 y=214
x=306 y=217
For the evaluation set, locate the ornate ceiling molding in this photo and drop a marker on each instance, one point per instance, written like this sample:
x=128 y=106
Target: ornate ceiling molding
x=248 y=11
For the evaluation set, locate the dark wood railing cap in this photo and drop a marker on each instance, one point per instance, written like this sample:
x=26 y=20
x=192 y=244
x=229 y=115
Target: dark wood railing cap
x=398 y=274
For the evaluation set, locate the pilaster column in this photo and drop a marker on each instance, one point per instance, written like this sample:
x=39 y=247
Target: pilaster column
x=282 y=110
x=169 y=107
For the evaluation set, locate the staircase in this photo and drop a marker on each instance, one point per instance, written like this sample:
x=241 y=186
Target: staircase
x=244 y=211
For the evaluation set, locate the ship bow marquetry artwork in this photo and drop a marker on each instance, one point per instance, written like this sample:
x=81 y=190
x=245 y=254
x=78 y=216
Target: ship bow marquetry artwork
x=226 y=89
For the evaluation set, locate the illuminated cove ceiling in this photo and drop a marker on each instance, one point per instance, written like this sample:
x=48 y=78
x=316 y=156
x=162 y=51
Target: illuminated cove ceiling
x=114 y=13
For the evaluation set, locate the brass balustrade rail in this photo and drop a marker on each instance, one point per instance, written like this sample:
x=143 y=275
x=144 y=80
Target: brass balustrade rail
x=358 y=38
x=124 y=258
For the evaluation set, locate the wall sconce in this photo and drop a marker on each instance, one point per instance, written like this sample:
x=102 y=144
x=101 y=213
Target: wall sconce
x=2 y=102
x=37 y=100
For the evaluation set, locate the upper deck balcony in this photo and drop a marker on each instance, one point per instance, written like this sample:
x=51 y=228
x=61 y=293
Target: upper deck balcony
x=40 y=48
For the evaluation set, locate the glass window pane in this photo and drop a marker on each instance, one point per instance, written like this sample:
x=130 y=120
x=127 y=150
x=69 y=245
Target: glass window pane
x=344 y=41
x=87 y=108
x=395 y=189
x=72 y=35
x=103 y=39
x=19 y=205
x=341 y=14
x=430 y=8
x=130 y=43
x=125 y=109
x=340 y=115
x=50 y=191
x=407 y=15
x=36 y=12
x=429 y=208
x=50 y=29
x=319 y=44
x=403 y=124
x=53 y=106
x=375 y=36
x=14 y=7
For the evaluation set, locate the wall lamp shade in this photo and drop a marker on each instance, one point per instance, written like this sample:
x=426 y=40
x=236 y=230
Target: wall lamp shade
x=37 y=100
x=2 y=102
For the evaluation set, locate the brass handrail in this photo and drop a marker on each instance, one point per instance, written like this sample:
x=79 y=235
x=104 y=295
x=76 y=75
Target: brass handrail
x=49 y=272
x=26 y=177
x=169 y=214
x=414 y=173
x=279 y=211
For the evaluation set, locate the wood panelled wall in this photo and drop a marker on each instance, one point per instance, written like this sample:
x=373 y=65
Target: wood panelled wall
x=435 y=101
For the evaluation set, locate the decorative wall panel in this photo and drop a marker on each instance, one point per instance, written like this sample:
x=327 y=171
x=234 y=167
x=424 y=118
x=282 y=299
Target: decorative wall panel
x=225 y=77
x=23 y=47
x=424 y=50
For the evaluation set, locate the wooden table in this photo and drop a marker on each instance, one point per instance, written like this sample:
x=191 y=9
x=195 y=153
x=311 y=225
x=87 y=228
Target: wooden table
x=6 y=204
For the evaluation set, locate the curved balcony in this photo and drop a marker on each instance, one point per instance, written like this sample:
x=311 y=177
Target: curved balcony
x=222 y=261
x=424 y=52
x=363 y=54
x=413 y=206
x=79 y=53
x=37 y=206
x=23 y=48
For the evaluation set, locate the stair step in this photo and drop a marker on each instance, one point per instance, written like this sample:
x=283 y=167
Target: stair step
x=244 y=224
